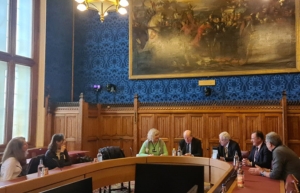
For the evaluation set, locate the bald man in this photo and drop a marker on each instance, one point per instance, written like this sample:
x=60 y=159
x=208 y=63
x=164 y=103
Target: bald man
x=190 y=145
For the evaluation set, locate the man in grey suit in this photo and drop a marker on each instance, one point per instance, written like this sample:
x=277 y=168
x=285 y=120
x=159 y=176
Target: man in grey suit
x=285 y=161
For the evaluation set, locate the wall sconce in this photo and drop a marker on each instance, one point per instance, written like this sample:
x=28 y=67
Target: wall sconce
x=96 y=87
x=111 y=88
x=207 y=91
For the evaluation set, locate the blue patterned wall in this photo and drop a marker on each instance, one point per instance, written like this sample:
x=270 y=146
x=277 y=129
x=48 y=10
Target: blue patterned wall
x=101 y=57
x=58 y=78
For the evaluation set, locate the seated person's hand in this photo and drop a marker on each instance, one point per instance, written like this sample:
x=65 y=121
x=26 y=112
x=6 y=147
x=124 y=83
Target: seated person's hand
x=188 y=154
x=222 y=158
x=62 y=149
x=246 y=162
x=255 y=171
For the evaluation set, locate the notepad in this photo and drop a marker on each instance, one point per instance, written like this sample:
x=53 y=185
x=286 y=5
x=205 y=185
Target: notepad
x=214 y=154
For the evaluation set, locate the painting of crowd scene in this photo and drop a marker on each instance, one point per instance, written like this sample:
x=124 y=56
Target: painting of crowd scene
x=181 y=38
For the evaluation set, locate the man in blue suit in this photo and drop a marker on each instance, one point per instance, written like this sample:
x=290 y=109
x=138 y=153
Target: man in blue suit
x=259 y=155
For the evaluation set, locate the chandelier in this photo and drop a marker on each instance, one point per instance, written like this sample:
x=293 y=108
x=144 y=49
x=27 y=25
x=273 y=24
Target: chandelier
x=103 y=6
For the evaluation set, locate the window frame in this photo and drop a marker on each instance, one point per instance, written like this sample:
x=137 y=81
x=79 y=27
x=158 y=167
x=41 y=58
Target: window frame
x=12 y=59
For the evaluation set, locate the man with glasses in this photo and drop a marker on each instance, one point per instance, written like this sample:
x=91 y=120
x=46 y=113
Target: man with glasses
x=259 y=155
x=285 y=161
x=227 y=148
x=190 y=145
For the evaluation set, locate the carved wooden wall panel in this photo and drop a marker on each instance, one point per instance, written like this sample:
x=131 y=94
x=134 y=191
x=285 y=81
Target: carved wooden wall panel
x=293 y=132
x=73 y=134
x=68 y=125
x=196 y=125
x=162 y=123
x=90 y=129
x=251 y=122
x=127 y=126
x=214 y=128
x=232 y=125
x=272 y=122
x=59 y=123
x=180 y=123
x=146 y=122
x=117 y=130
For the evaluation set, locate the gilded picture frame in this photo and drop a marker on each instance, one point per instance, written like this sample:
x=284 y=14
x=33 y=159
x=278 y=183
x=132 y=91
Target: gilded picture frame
x=192 y=38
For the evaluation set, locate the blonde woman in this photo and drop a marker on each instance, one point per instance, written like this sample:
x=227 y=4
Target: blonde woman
x=14 y=158
x=153 y=145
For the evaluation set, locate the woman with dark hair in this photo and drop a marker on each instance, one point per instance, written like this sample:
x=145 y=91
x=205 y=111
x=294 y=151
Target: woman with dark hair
x=14 y=158
x=57 y=154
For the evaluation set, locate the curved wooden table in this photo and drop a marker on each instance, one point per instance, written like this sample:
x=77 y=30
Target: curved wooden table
x=113 y=171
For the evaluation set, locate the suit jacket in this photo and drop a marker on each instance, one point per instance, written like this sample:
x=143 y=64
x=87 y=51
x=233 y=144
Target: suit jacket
x=52 y=161
x=232 y=147
x=285 y=161
x=263 y=157
x=196 y=147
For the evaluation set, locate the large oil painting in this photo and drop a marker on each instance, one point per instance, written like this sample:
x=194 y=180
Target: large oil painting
x=196 y=38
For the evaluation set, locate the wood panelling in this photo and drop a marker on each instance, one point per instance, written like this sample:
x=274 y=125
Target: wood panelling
x=90 y=130
x=271 y=122
x=67 y=123
x=214 y=128
x=118 y=130
x=127 y=126
x=146 y=122
x=293 y=123
x=251 y=122
x=196 y=125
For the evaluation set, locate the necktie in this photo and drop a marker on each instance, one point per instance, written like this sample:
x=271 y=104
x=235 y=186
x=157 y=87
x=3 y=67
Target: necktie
x=187 y=148
x=255 y=154
x=226 y=151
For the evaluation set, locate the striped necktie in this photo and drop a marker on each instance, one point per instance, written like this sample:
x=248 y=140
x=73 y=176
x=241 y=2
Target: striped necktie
x=255 y=154
x=226 y=151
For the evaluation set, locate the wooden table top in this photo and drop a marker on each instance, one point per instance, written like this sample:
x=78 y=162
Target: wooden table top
x=258 y=184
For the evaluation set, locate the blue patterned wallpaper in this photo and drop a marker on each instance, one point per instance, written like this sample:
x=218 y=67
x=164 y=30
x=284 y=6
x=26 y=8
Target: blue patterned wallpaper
x=59 y=28
x=101 y=57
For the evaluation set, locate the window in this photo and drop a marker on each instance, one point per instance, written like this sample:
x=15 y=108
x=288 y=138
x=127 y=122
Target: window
x=18 y=68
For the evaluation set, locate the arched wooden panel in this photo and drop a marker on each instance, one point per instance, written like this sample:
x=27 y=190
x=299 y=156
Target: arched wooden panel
x=127 y=126
x=251 y=122
x=232 y=125
x=214 y=127
x=116 y=126
x=106 y=124
x=180 y=123
x=162 y=123
x=59 y=123
x=146 y=122
x=196 y=125
x=293 y=132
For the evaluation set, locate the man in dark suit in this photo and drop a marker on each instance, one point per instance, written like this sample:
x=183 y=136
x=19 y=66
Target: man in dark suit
x=227 y=148
x=285 y=161
x=190 y=145
x=259 y=155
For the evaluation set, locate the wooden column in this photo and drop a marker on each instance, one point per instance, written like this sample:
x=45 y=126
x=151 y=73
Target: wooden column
x=284 y=119
x=135 y=124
